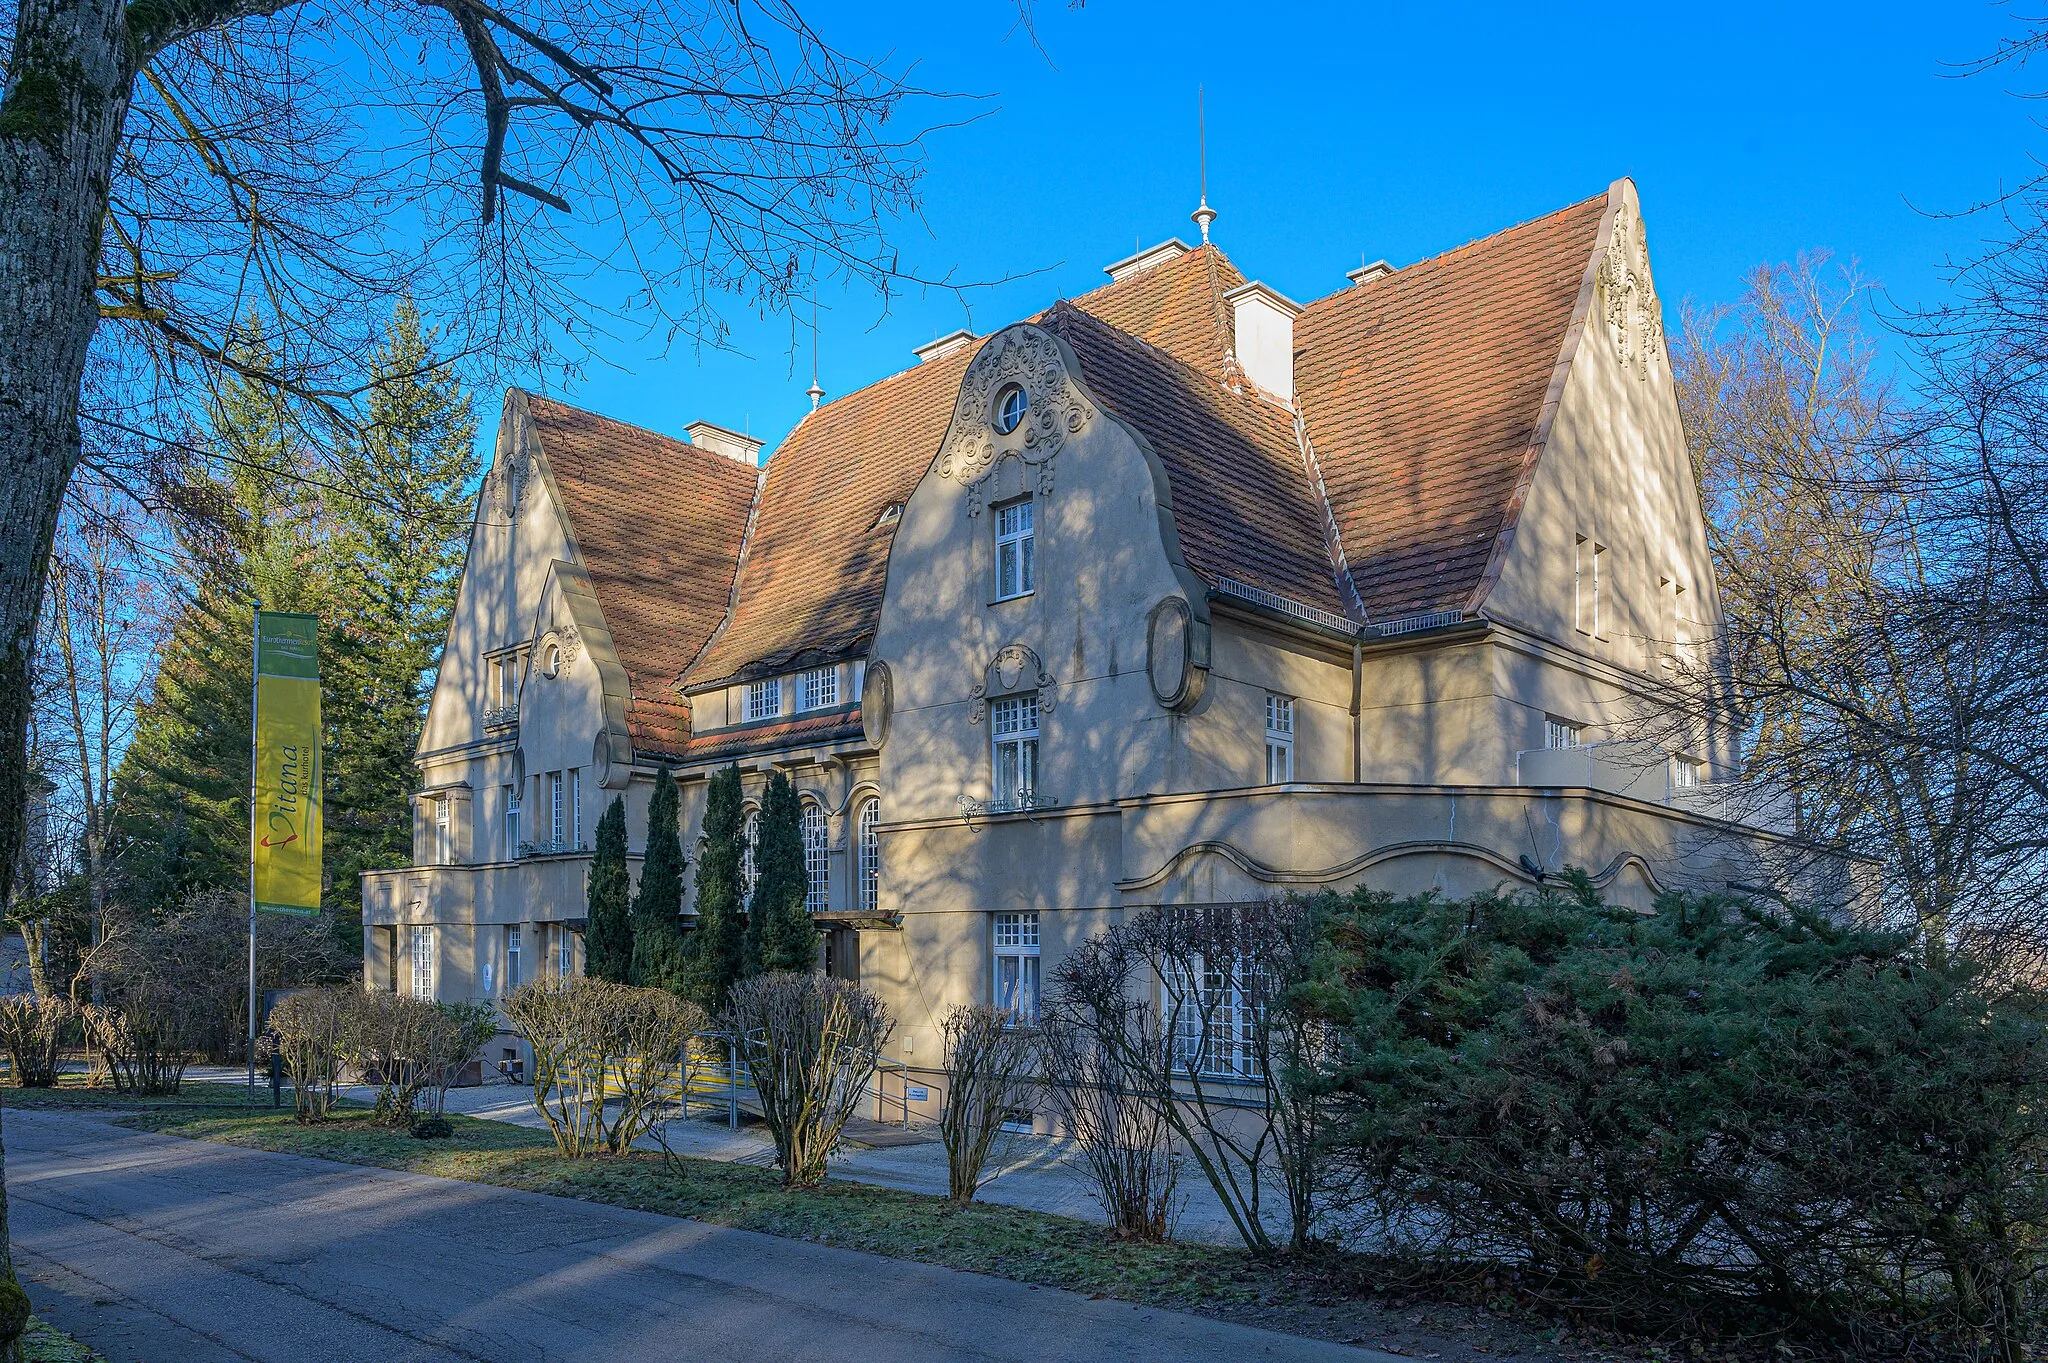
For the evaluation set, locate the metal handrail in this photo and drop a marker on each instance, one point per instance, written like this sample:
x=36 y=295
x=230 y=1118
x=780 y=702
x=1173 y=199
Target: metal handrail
x=1259 y=596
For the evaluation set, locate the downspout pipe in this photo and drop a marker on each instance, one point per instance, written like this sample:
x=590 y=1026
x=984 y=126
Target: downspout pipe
x=1357 y=729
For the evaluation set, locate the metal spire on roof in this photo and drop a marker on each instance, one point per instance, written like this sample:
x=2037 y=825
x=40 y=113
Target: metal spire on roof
x=1203 y=215
x=815 y=391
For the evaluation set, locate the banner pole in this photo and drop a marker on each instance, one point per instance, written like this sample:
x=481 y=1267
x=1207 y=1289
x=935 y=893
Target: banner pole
x=255 y=671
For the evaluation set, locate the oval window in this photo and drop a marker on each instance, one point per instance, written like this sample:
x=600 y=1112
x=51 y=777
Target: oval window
x=1009 y=409
x=552 y=660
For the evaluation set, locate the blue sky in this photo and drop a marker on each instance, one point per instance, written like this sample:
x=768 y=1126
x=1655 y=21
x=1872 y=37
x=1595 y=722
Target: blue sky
x=1754 y=131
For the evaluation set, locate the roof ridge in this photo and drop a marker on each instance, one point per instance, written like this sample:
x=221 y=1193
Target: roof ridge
x=717 y=460
x=1207 y=249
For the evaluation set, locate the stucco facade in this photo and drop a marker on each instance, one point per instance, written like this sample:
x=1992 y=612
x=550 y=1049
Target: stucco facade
x=1264 y=629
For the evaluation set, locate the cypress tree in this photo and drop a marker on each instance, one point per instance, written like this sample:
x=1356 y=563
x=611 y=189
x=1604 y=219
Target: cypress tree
x=716 y=948
x=780 y=934
x=657 y=912
x=608 y=940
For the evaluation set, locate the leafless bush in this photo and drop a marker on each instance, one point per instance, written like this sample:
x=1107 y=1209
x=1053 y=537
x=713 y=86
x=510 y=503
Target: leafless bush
x=597 y=1042
x=810 y=1044
x=1122 y=1132
x=409 y=1047
x=990 y=1066
x=31 y=1029
x=311 y=1029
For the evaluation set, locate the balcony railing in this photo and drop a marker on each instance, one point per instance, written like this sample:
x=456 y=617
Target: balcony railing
x=500 y=716
x=971 y=808
x=558 y=848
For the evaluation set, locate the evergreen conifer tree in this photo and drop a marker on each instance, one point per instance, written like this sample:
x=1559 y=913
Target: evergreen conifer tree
x=780 y=934
x=717 y=947
x=657 y=912
x=608 y=938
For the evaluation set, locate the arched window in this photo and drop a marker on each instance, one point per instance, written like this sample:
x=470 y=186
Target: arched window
x=750 y=844
x=816 y=872
x=870 y=856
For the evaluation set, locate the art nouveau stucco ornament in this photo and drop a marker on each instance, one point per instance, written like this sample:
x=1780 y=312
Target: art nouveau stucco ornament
x=1628 y=301
x=1029 y=359
x=1176 y=655
x=1014 y=669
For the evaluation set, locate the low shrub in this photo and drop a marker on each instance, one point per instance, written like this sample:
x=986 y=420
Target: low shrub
x=410 y=1047
x=311 y=1030
x=32 y=1028
x=604 y=1057
x=990 y=1060
x=810 y=1044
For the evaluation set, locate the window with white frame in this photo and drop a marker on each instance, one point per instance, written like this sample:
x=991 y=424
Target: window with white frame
x=444 y=852
x=512 y=945
x=764 y=699
x=1685 y=773
x=511 y=794
x=422 y=961
x=1017 y=965
x=1016 y=551
x=818 y=689
x=1013 y=730
x=1279 y=739
x=870 y=855
x=1586 y=571
x=575 y=806
x=1215 y=1023
x=750 y=847
x=555 y=810
x=817 y=865
x=565 y=952
x=1561 y=733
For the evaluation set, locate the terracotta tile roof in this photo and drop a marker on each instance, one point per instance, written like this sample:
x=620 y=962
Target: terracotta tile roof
x=1423 y=392
x=825 y=728
x=810 y=585
x=1242 y=501
x=1177 y=306
x=658 y=522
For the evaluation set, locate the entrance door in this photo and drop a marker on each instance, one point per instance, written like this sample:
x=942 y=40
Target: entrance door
x=842 y=954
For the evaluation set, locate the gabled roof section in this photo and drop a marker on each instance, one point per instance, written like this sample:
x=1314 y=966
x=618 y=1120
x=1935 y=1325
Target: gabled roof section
x=1177 y=307
x=810 y=584
x=658 y=523
x=1426 y=395
x=1243 y=505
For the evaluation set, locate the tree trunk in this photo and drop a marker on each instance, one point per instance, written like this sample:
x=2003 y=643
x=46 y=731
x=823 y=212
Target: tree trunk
x=60 y=119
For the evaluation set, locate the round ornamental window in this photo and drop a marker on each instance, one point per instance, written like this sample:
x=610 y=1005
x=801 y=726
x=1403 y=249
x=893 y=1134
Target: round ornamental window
x=551 y=660
x=1009 y=409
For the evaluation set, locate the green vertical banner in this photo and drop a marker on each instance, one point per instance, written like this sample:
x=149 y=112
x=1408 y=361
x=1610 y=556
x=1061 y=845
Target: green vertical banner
x=285 y=832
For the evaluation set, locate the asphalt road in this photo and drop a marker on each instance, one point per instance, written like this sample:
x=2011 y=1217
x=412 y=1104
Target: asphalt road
x=155 y=1248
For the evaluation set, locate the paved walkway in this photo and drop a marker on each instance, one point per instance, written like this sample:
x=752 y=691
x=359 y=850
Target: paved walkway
x=1037 y=1172
x=149 y=1247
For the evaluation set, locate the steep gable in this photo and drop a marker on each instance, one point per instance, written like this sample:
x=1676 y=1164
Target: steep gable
x=658 y=524
x=1424 y=394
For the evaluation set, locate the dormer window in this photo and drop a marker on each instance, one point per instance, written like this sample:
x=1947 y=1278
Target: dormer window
x=1016 y=551
x=818 y=689
x=889 y=515
x=764 y=699
x=1010 y=404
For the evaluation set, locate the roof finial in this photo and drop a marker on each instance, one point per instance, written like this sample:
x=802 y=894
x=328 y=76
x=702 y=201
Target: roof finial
x=1204 y=215
x=815 y=391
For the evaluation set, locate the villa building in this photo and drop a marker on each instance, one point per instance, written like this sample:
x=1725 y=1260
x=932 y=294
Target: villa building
x=1178 y=592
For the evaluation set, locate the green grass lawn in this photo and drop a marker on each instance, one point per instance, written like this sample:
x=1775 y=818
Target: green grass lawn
x=47 y=1344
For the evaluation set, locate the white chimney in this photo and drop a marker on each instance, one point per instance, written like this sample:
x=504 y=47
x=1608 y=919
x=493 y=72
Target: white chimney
x=719 y=440
x=1265 y=336
x=944 y=346
x=1366 y=274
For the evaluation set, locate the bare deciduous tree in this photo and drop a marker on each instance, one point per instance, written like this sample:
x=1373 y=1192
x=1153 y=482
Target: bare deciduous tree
x=990 y=1059
x=1121 y=1129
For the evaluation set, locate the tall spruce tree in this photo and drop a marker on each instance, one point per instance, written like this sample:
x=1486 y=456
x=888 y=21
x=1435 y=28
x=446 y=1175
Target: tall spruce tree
x=780 y=934
x=608 y=939
x=657 y=911
x=717 y=948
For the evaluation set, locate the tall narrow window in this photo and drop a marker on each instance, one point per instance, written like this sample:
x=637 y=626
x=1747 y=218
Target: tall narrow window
x=1279 y=739
x=750 y=847
x=565 y=952
x=1582 y=588
x=1013 y=729
x=512 y=976
x=575 y=806
x=511 y=851
x=1215 y=1021
x=1685 y=773
x=1016 y=571
x=870 y=856
x=764 y=699
x=443 y=842
x=555 y=810
x=817 y=867
x=818 y=689
x=1599 y=618
x=1017 y=965
x=422 y=962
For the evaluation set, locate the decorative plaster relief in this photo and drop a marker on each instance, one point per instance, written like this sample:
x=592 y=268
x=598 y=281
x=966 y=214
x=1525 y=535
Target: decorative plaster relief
x=1628 y=301
x=1178 y=679
x=1014 y=669
x=877 y=703
x=1030 y=358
